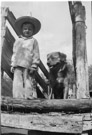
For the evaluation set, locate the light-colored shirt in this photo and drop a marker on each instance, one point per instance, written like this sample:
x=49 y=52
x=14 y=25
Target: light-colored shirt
x=25 y=53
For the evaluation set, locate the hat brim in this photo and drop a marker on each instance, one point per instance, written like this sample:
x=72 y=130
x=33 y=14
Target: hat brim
x=32 y=20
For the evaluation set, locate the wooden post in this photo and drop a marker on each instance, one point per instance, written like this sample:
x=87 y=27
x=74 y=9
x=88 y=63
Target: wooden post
x=4 y=12
x=3 y=22
x=3 y=30
x=79 y=50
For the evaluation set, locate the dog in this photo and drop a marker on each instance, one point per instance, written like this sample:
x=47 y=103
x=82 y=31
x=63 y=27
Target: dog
x=58 y=71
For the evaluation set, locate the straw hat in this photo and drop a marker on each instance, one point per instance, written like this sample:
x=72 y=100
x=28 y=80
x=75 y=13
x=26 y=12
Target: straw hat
x=36 y=23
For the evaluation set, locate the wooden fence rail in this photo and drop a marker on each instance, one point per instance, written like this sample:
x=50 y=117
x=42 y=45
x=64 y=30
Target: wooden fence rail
x=44 y=105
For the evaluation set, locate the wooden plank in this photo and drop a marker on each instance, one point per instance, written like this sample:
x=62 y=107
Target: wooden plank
x=11 y=19
x=3 y=31
x=87 y=122
x=44 y=70
x=43 y=122
x=7 y=52
x=39 y=93
x=6 y=58
x=41 y=81
x=44 y=105
x=7 y=49
x=71 y=11
x=9 y=37
x=87 y=125
x=3 y=21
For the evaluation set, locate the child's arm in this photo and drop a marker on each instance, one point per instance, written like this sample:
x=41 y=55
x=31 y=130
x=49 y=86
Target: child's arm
x=36 y=56
x=13 y=56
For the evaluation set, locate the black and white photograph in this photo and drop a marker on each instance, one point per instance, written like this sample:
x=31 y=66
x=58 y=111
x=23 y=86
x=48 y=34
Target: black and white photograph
x=46 y=68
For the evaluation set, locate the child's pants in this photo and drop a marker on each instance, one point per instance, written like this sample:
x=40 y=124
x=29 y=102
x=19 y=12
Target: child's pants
x=24 y=85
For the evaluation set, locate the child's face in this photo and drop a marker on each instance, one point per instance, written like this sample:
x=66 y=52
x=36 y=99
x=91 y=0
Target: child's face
x=27 y=30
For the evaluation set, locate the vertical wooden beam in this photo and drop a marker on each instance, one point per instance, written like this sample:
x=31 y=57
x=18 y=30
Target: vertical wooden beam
x=79 y=49
x=71 y=11
x=3 y=31
x=81 y=52
x=4 y=12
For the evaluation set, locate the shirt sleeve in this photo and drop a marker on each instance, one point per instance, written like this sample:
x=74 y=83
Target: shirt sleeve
x=36 y=55
x=14 y=52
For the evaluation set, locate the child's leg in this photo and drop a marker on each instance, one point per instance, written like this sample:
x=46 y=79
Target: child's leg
x=30 y=86
x=18 y=90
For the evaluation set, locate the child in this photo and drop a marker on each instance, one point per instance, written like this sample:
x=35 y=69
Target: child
x=25 y=58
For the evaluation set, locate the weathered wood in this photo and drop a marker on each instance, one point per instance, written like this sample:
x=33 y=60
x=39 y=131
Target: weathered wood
x=41 y=81
x=3 y=28
x=9 y=37
x=11 y=19
x=79 y=50
x=39 y=93
x=7 y=41
x=44 y=105
x=87 y=121
x=87 y=125
x=3 y=31
x=44 y=122
x=53 y=120
x=44 y=70
x=7 y=52
x=3 y=21
x=6 y=58
x=71 y=11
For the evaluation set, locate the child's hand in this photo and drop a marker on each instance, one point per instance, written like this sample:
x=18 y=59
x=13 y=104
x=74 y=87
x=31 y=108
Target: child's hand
x=12 y=69
x=32 y=70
